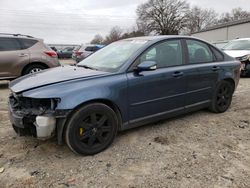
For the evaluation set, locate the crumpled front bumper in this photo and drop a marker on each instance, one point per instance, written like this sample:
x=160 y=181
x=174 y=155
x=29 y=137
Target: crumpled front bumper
x=40 y=126
x=245 y=68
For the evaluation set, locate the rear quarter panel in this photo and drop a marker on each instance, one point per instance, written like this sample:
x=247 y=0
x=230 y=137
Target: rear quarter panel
x=37 y=55
x=231 y=70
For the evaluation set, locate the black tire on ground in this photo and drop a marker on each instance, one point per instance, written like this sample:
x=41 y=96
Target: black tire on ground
x=222 y=97
x=91 y=129
x=20 y=131
x=34 y=68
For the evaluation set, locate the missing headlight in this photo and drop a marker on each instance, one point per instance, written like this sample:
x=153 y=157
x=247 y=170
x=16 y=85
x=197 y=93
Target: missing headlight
x=32 y=105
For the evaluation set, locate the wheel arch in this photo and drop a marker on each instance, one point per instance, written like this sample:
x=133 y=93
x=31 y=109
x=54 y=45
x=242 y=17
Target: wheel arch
x=33 y=63
x=231 y=81
x=107 y=102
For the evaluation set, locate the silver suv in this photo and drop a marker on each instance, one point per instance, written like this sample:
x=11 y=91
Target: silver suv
x=84 y=51
x=23 y=54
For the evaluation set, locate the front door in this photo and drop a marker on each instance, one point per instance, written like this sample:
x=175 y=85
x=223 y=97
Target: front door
x=153 y=93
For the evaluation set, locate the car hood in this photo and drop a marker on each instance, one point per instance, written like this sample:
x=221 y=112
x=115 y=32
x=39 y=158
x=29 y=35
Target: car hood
x=237 y=53
x=52 y=76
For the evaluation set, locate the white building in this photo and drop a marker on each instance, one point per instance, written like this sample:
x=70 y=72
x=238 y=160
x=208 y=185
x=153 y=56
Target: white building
x=225 y=32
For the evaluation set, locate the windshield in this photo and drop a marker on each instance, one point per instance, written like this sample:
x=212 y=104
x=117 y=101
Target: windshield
x=113 y=56
x=238 y=45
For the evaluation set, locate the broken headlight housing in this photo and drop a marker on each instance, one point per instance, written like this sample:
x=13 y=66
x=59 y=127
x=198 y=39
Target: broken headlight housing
x=244 y=58
x=32 y=105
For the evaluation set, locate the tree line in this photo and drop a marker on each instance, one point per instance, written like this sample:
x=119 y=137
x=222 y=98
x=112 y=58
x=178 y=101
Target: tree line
x=171 y=17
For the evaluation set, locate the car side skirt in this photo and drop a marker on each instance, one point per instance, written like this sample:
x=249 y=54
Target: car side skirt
x=165 y=115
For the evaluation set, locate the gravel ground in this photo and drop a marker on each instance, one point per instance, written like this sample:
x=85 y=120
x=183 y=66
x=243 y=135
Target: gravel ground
x=67 y=61
x=201 y=149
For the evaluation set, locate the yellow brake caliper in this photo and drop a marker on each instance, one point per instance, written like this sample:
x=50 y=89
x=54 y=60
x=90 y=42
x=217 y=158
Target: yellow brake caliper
x=81 y=131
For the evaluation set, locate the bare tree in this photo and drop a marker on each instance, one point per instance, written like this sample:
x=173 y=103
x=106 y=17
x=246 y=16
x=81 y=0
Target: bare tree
x=163 y=16
x=117 y=34
x=234 y=15
x=198 y=19
x=98 y=39
x=114 y=35
x=133 y=32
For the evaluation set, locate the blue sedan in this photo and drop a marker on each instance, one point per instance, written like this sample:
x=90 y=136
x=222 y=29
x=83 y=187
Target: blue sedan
x=126 y=84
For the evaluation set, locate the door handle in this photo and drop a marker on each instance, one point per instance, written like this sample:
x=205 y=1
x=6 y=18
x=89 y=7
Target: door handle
x=23 y=55
x=215 y=68
x=177 y=74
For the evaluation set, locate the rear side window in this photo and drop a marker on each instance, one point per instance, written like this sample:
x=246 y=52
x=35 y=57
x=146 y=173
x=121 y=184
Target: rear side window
x=89 y=48
x=27 y=43
x=218 y=55
x=96 y=48
x=199 y=52
x=9 y=44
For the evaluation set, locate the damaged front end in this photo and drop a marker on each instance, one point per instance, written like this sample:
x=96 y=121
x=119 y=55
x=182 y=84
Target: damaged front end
x=245 y=65
x=35 y=117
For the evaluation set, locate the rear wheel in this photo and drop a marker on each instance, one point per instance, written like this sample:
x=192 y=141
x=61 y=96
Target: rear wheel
x=91 y=129
x=222 y=97
x=34 y=68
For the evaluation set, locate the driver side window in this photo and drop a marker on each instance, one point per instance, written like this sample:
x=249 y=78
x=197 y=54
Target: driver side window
x=165 y=54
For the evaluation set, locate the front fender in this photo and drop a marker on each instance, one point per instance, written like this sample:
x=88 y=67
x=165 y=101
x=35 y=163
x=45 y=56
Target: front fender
x=74 y=93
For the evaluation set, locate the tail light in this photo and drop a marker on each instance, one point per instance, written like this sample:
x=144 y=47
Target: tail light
x=51 y=53
x=78 y=53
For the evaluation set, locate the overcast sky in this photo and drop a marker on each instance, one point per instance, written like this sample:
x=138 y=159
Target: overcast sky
x=77 y=21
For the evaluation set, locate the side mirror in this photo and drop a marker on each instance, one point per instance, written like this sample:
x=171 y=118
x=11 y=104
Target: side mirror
x=146 y=66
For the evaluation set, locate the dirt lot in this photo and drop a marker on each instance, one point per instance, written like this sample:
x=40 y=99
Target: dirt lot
x=196 y=150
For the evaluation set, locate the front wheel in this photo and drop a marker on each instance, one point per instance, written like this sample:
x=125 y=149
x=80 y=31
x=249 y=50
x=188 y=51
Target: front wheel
x=222 y=97
x=91 y=129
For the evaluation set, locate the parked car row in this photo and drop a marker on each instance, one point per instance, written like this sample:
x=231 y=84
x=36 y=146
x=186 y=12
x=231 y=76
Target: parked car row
x=77 y=53
x=65 y=53
x=84 y=51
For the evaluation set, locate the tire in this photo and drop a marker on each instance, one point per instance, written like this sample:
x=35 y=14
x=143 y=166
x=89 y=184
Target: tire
x=19 y=131
x=33 y=68
x=222 y=97
x=22 y=131
x=91 y=129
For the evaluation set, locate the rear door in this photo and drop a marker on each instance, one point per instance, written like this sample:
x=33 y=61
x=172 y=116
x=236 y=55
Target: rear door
x=203 y=72
x=12 y=57
x=162 y=91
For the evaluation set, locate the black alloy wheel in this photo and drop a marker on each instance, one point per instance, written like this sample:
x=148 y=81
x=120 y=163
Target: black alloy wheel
x=91 y=129
x=222 y=97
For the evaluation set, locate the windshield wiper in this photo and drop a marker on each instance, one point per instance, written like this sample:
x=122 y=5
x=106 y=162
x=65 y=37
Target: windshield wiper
x=87 y=67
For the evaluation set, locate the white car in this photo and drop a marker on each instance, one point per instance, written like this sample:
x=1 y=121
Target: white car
x=240 y=50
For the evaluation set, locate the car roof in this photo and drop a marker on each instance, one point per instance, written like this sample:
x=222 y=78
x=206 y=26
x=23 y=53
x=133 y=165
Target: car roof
x=157 y=38
x=9 y=35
